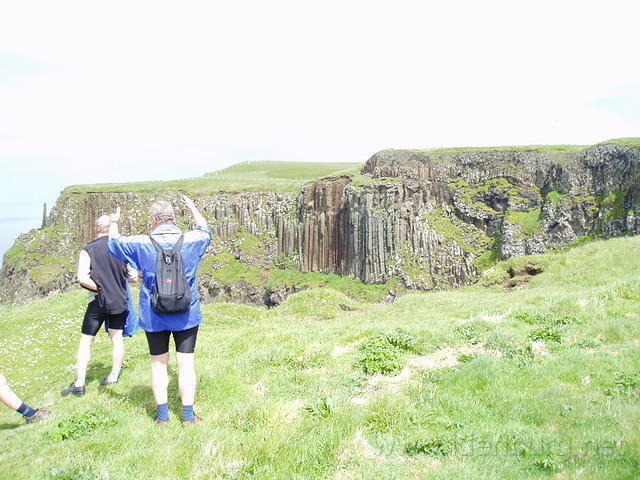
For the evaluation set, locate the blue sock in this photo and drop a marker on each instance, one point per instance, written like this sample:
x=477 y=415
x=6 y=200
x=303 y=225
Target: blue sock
x=187 y=412
x=163 y=411
x=26 y=410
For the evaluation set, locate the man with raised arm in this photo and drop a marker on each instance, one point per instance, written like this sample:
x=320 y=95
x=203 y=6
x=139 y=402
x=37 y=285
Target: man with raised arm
x=148 y=253
x=109 y=302
x=11 y=400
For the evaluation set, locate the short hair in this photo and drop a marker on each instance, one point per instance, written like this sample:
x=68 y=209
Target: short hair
x=102 y=224
x=162 y=211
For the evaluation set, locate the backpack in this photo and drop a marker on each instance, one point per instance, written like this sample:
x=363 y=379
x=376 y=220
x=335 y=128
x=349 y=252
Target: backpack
x=172 y=293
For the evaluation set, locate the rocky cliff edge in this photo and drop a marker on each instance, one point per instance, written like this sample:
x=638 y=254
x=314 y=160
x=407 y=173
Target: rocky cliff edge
x=406 y=219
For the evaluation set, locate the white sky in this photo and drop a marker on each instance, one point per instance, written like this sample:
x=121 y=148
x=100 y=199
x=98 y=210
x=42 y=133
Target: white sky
x=132 y=90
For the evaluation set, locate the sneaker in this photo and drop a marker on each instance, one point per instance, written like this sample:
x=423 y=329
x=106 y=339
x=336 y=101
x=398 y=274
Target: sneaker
x=196 y=419
x=77 y=391
x=41 y=414
x=108 y=381
x=159 y=422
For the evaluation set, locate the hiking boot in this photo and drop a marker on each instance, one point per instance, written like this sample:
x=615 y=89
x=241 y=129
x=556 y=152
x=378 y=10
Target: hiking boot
x=196 y=419
x=41 y=414
x=159 y=422
x=108 y=381
x=77 y=391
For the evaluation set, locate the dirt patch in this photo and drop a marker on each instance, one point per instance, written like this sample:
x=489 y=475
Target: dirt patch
x=382 y=382
x=258 y=388
x=347 y=308
x=291 y=410
x=521 y=276
x=358 y=448
x=443 y=358
x=517 y=282
x=529 y=268
x=539 y=348
x=448 y=357
x=210 y=449
x=495 y=317
x=338 y=350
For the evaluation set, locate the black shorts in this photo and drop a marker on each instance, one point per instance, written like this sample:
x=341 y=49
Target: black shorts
x=94 y=317
x=185 y=341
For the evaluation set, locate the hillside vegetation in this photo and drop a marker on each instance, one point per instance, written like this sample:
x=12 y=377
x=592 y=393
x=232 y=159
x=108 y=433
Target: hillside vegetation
x=288 y=177
x=551 y=149
x=243 y=177
x=537 y=381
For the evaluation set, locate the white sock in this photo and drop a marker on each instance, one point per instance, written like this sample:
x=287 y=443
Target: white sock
x=80 y=378
x=113 y=376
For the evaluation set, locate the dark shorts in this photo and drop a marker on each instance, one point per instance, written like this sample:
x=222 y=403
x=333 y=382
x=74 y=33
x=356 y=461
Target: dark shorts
x=185 y=341
x=94 y=317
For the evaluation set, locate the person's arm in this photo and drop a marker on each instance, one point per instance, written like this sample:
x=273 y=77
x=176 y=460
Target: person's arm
x=126 y=249
x=84 y=272
x=197 y=216
x=113 y=224
x=132 y=274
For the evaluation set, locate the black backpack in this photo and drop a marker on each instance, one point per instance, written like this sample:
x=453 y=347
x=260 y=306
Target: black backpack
x=172 y=293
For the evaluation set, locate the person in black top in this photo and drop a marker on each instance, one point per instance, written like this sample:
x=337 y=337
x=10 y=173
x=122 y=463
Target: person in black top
x=106 y=279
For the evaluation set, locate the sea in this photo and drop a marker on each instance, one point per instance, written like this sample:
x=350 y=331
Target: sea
x=17 y=218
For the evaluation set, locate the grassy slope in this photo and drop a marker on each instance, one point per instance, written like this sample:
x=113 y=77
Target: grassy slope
x=290 y=176
x=278 y=396
x=247 y=176
x=552 y=149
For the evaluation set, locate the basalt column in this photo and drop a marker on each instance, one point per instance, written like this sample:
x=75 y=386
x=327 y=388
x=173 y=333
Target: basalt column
x=320 y=238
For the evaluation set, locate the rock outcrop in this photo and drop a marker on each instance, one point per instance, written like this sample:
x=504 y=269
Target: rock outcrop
x=431 y=219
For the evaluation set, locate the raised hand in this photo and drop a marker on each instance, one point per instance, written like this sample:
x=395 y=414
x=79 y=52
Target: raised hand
x=200 y=220
x=188 y=202
x=113 y=226
x=115 y=216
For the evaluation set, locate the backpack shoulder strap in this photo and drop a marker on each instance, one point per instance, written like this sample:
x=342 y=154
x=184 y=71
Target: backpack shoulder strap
x=178 y=245
x=156 y=244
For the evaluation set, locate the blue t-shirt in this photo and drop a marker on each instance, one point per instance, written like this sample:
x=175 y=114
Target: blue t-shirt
x=140 y=253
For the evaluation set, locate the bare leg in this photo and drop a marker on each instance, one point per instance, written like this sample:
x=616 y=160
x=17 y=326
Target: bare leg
x=160 y=377
x=7 y=396
x=83 y=357
x=186 y=377
x=117 y=355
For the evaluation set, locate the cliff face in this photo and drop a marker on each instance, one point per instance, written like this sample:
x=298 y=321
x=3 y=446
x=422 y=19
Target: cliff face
x=430 y=219
x=531 y=201
x=596 y=170
x=379 y=231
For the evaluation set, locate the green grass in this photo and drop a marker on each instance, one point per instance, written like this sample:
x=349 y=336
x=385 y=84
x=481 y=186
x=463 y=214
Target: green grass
x=282 y=170
x=540 y=382
x=285 y=177
x=288 y=177
x=626 y=142
x=552 y=149
x=613 y=205
x=33 y=255
x=531 y=221
x=555 y=197
x=466 y=236
x=226 y=268
x=474 y=194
